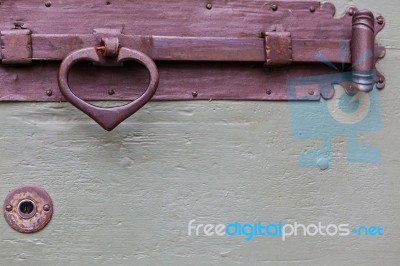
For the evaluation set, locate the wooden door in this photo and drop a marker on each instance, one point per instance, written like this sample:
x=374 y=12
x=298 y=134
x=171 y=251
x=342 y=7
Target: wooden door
x=128 y=197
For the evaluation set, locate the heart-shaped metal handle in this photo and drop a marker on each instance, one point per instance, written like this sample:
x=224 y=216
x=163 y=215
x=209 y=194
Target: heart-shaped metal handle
x=108 y=118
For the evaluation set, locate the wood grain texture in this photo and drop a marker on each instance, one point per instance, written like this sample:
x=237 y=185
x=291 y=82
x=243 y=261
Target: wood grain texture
x=126 y=197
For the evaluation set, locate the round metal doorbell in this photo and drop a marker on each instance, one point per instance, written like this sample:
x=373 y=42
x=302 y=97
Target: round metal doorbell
x=28 y=209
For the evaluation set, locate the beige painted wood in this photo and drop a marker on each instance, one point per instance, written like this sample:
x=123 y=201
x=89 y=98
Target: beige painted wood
x=126 y=197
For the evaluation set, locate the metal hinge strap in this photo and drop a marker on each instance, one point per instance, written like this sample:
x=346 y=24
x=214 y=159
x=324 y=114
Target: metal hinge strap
x=55 y=47
x=19 y=46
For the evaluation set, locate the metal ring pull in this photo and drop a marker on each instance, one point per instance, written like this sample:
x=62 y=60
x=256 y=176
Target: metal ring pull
x=108 y=118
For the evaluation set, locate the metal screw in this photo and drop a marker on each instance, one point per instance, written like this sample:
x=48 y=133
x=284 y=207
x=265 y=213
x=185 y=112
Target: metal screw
x=269 y=92
x=351 y=12
x=380 y=20
x=19 y=25
x=351 y=90
x=46 y=208
x=209 y=6
x=9 y=208
x=382 y=54
x=49 y=93
x=195 y=93
x=48 y=4
x=274 y=7
x=312 y=9
x=111 y=92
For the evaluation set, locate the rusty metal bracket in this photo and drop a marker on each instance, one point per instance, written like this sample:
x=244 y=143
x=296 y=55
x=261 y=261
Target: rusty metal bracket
x=278 y=46
x=16 y=47
x=226 y=60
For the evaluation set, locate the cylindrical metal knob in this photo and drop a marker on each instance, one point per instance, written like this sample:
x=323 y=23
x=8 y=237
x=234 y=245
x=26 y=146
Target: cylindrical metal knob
x=362 y=51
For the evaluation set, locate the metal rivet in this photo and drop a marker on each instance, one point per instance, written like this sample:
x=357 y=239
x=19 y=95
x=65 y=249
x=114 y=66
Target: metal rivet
x=108 y=3
x=382 y=54
x=48 y=4
x=311 y=92
x=49 y=93
x=195 y=93
x=312 y=9
x=351 y=90
x=46 y=208
x=9 y=208
x=19 y=25
x=351 y=12
x=269 y=92
x=209 y=6
x=380 y=20
x=111 y=92
x=274 y=7
x=381 y=80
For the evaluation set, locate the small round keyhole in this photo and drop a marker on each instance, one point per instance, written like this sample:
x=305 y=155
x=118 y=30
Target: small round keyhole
x=26 y=209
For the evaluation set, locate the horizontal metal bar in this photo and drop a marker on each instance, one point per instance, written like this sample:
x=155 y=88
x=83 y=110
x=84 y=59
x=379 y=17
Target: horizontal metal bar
x=170 y=48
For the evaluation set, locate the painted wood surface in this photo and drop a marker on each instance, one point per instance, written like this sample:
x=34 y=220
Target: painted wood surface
x=126 y=197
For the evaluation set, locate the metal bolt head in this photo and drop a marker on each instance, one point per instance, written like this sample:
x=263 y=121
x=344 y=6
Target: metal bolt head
x=382 y=54
x=111 y=92
x=312 y=9
x=49 y=93
x=380 y=20
x=46 y=208
x=274 y=7
x=9 y=208
x=351 y=90
x=311 y=91
x=269 y=92
x=19 y=25
x=351 y=12
x=48 y=4
x=381 y=83
x=195 y=93
x=209 y=6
